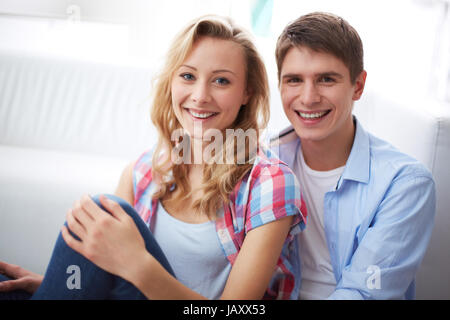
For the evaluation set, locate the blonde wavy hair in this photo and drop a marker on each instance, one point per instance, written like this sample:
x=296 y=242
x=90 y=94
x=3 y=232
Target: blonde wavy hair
x=219 y=180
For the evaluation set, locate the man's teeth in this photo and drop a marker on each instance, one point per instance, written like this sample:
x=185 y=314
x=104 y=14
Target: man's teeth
x=201 y=115
x=312 y=115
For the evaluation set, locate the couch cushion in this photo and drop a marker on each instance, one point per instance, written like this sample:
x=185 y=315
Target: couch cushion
x=74 y=105
x=420 y=128
x=37 y=188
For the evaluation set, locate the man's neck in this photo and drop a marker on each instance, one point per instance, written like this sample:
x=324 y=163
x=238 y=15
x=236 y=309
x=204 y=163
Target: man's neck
x=330 y=153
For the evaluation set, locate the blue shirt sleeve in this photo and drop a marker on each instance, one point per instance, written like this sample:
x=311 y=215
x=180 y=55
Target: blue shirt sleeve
x=389 y=254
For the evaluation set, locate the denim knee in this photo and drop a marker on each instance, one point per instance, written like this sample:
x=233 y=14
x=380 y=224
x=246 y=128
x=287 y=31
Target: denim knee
x=124 y=204
x=150 y=242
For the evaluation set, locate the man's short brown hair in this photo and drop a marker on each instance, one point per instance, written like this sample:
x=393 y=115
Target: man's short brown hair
x=323 y=32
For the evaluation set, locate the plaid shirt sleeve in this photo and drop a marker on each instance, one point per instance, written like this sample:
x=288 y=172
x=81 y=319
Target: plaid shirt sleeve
x=276 y=194
x=270 y=192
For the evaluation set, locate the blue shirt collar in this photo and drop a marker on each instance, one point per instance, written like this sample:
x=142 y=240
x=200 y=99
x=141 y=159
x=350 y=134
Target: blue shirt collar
x=286 y=145
x=357 y=167
x=358 y=162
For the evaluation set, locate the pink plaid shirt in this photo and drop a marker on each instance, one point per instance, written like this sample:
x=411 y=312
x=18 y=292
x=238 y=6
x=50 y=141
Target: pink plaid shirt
x=270 y=191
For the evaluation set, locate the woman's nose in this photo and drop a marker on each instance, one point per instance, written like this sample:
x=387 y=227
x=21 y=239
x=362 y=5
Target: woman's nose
x=201 y=93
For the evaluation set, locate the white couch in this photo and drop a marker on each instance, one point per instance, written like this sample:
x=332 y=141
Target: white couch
x=420 y=128
x=68 y=127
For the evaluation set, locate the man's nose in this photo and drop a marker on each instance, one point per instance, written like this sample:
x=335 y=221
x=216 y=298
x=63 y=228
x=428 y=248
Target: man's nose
x=309 y=95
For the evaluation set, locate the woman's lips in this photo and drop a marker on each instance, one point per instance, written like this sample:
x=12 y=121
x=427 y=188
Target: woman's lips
x=201 y=115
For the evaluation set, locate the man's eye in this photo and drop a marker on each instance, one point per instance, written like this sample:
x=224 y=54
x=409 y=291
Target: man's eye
x=326 y=79
x=187 y=76
x=222 y=81
x=293 y=80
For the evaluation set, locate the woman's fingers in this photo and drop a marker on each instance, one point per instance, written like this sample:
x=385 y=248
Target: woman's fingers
x=71 y=241
x=8 y=285
x=11 y=270
x=98 y=214
x=93 y=209
x=20 y=278
x=82 y=215
x=113 y=207
x=74 y=225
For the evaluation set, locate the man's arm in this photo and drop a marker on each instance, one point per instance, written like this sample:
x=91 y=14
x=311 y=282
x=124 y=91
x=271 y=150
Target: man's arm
x=389 y=254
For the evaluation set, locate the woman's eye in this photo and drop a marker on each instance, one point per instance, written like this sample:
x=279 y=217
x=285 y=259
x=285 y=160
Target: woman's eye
x=187 y=76
x=222 y=81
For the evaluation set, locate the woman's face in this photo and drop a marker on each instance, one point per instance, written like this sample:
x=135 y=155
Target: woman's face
x=210 y=86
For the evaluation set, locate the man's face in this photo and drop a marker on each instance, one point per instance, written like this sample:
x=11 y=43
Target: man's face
x=318 y=96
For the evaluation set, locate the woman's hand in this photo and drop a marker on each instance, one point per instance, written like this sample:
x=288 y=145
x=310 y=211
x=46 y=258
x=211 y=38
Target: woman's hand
x=111 y=241
x=22 y=279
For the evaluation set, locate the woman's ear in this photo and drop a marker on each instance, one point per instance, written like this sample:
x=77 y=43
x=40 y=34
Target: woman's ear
x=247 y=96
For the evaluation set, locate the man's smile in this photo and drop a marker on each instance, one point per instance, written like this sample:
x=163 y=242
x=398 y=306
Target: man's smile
x=312 y=117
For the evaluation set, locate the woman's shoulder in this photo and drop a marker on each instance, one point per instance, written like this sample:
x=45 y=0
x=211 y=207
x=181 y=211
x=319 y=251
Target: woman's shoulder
x=143 y=165
x=270 y=178
x=145 y=159
x=270 y=192
x=267 y=164
x=142 y=171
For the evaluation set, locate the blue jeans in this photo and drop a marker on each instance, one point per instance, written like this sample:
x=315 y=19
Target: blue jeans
x=60 y=283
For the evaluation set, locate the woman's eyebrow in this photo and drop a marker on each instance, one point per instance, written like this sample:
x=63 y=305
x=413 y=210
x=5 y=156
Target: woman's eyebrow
x=188 y=66
x=224 y=70
x=215 y=71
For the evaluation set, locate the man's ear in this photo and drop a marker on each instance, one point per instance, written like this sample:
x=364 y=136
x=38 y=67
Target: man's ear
x=359 y=85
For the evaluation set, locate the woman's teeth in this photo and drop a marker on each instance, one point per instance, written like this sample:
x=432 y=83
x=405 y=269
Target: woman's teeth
x=203 y=115
x=312 y=115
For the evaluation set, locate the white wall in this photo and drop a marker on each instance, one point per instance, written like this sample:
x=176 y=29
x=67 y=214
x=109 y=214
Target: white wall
x=401 y=38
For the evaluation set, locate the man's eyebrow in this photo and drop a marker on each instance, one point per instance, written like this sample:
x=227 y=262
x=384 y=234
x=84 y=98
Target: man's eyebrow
x=290 y=75
x=321 y=74
x=330 y=74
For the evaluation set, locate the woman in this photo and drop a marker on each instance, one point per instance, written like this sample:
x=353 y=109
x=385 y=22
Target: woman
x=220 y=227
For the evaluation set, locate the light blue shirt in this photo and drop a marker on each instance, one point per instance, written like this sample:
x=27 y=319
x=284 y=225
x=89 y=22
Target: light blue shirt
x=378 y=219
x=194 y=252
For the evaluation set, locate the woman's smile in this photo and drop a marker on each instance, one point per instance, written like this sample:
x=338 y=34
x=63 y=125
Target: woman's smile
x=198 y=115
x=210 y=86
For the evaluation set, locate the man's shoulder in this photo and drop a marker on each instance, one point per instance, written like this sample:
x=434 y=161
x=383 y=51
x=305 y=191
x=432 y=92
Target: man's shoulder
x=285 y=145
x=284 y=136
x=387 y=158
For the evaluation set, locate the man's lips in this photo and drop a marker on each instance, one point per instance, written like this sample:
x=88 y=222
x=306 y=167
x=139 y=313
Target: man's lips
x=312 y=115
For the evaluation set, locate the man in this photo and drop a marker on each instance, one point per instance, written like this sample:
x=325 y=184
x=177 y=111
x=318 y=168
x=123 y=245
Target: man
x=370 y=207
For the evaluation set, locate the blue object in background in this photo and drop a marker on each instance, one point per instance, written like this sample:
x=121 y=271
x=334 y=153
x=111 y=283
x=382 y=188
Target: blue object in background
x=262 y=17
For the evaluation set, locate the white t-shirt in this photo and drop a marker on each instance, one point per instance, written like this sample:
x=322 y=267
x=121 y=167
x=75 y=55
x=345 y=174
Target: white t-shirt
x=318 y=280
